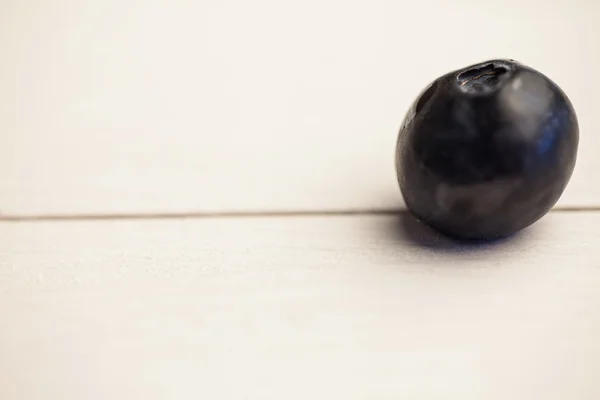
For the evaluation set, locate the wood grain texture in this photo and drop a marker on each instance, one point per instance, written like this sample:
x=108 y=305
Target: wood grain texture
x=296 y=308
x=174 y=105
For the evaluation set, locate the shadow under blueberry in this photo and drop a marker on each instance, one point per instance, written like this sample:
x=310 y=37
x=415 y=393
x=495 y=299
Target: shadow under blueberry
x=405 y=228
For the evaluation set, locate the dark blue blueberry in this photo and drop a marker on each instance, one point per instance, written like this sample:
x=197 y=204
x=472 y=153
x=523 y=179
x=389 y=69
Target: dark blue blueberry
x=487 y=150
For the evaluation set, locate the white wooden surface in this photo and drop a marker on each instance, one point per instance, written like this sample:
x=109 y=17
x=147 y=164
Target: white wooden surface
x=156 y=106
x=175 y=105
x=297 y=308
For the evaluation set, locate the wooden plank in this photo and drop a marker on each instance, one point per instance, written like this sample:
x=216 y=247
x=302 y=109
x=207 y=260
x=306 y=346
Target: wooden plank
x=295 y=308
x=157 y=106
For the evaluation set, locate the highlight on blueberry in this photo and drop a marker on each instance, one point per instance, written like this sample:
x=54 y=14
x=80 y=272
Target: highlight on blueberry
x=486 y=150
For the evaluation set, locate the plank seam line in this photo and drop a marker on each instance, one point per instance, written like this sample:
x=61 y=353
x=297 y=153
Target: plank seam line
x=227 y=214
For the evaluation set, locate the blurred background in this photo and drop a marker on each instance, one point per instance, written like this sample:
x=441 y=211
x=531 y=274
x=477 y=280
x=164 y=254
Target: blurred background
x=150 y=107
x=127 y=106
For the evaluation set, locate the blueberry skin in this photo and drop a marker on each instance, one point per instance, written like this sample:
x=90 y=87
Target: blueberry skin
x=486 y=150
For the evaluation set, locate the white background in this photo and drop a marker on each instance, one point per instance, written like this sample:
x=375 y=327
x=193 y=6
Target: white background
x=167 y=107
x=159 y=106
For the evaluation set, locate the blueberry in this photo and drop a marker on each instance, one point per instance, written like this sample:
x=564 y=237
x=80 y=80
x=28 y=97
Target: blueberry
x=486 y=150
